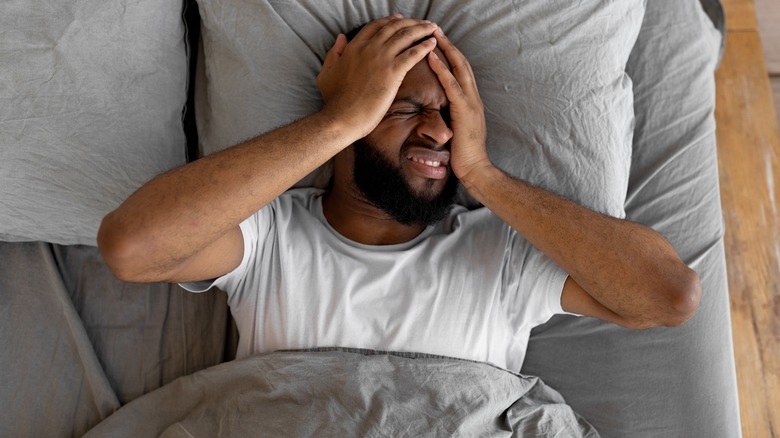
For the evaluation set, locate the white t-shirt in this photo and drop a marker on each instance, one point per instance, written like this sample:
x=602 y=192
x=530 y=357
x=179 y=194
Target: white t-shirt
x=468 y=287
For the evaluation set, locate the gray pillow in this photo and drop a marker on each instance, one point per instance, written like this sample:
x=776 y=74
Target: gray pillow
x=661 y=382
x=91 y=100
x=559 y=104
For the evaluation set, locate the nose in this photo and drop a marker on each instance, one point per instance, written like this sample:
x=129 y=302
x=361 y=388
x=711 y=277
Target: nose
x=433 y=128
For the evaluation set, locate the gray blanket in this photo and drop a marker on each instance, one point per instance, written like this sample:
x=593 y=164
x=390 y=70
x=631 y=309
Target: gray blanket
x=340 y=393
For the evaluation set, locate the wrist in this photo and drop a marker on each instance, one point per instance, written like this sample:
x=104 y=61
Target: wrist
x=477 y=178
x=353 y=119
x=339 y=127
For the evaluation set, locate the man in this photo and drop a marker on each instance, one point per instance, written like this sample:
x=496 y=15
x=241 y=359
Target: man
x=379 y=261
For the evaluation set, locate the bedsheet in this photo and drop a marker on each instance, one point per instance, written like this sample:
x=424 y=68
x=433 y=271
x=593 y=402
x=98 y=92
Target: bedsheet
x=348 y=393
x=78 y=344
x=674 y=189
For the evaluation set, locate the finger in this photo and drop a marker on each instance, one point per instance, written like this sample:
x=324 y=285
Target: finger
x=335 y=52
x=413 y=55
x=448 y=81
x=459 y=65
x=400 y=28
x=461 y=68
x=404 y=37
x=370 y=29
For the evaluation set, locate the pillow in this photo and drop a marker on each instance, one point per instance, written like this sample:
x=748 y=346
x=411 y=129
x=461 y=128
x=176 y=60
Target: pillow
x=670 y=382
x=91 y=101
x=551 y=74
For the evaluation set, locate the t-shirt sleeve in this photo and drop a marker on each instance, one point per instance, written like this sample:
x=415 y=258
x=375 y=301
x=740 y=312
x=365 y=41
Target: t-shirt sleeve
x=254 y=230
x=533 y=283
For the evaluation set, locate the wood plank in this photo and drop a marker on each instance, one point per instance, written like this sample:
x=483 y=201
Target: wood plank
x=749 y=149
x=775 y=82
x=740 y=15
x=768 y=14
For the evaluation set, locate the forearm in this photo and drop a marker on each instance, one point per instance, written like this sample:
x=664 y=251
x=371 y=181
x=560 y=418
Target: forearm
x=626 y=267
x=619 y=271
x=183 y=210
x=187 y=218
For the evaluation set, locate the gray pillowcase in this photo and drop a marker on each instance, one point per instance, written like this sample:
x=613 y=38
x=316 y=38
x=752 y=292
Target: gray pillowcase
x=91 y=100
x=559 y=105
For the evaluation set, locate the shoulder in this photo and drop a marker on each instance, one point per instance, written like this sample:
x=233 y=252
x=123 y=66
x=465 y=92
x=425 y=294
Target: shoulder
x=462 y=219
x=292 y=200
x=305 y=196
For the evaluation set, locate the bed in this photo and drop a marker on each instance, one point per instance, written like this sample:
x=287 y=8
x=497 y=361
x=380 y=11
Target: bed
x=608 y=103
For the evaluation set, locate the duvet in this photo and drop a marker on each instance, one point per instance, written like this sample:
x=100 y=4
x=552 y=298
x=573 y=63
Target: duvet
x=348 y=393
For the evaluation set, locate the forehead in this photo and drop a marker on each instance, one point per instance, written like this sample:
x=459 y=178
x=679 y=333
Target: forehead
x=422 y=85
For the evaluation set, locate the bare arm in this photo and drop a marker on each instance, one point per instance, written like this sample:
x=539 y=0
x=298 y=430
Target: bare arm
x=174 y=216
x=619 y=271
x=183 y=225
x=624 y=267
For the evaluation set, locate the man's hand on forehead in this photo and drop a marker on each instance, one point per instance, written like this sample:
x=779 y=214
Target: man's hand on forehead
x=467 y=113
x=360 y=79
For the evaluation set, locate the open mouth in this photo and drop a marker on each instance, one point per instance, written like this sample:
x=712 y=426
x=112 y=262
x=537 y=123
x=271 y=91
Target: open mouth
x=429 y=163
x=426 y=162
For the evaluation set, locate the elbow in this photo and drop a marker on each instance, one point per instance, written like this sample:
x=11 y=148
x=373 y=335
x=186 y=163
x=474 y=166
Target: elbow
x=119 y=249
x=682 y=298
x=673 y=303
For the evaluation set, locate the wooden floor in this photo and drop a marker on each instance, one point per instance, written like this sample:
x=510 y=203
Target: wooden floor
x=749 y=157
x=768 y=14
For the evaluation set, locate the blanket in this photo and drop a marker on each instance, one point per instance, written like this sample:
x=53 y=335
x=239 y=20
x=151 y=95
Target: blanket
x=348 y=393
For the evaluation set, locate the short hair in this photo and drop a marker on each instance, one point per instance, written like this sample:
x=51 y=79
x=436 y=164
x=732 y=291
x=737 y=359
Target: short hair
x=353 y=33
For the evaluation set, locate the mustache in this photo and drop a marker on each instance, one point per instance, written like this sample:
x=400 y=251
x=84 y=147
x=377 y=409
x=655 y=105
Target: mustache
x=423 y=144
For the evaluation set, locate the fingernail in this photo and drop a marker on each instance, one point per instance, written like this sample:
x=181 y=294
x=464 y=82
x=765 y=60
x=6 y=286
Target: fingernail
x=434 y=56
x=439 y=33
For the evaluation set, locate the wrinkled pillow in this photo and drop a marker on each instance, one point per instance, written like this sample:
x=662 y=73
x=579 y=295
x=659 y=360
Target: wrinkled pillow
x=91 y=101
x=551 y=74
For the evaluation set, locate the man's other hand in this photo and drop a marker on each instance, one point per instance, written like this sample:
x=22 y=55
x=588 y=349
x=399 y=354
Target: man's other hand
x=467 y=113
x=360 y=79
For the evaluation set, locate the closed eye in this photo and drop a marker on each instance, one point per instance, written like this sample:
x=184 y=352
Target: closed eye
x=406 y=112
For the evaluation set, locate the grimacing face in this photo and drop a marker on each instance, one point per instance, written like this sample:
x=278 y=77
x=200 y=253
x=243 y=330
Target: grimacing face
x=403 y=167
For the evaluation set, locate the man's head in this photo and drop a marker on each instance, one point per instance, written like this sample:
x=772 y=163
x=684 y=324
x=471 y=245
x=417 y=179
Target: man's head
x=402 y=167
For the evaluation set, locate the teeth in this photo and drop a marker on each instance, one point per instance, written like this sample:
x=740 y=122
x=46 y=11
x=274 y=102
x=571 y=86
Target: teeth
x=427 y=163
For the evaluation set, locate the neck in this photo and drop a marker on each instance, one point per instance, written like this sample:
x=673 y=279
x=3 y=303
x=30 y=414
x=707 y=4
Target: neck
x=358 y=220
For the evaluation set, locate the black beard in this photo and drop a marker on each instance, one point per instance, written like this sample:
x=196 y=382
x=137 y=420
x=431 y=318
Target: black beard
x=383 y=185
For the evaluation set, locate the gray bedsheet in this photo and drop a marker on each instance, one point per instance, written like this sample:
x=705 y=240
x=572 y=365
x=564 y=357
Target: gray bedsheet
x=342 y=394
x=678 y=382
x=76 y=344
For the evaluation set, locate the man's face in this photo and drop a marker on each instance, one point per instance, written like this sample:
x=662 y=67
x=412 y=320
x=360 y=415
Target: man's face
x=403 y=167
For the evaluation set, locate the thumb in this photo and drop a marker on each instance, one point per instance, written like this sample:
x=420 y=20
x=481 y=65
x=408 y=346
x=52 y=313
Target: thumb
x=335 y=52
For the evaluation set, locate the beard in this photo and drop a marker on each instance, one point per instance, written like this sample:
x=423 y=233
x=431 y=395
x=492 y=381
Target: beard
x=384 y=186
